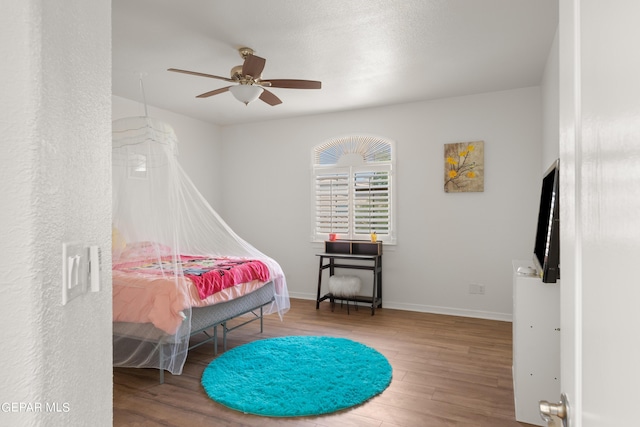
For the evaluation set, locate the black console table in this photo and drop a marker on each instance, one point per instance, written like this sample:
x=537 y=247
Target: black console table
x=370 y=253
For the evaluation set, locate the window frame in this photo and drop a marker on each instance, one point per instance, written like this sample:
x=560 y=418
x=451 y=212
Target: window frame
x=351 y=169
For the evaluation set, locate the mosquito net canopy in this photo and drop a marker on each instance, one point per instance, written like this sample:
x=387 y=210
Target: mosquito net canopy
x=172 y=253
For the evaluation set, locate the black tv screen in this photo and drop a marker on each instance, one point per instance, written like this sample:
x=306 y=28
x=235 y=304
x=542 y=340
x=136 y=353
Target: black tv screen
x=546 y=252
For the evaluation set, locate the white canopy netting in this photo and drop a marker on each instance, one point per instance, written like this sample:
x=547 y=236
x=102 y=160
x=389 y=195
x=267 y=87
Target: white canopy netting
x=171 y=251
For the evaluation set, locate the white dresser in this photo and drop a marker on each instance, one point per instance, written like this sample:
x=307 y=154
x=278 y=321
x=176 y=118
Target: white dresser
x=536 y=343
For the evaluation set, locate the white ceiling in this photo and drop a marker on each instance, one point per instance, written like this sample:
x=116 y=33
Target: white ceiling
x=366 y=52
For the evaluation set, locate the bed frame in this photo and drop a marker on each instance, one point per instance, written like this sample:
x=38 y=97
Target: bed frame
x=203 y=319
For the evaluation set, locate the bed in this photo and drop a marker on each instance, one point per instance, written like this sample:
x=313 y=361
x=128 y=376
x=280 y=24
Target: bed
x=160 y=301
x=178 y=268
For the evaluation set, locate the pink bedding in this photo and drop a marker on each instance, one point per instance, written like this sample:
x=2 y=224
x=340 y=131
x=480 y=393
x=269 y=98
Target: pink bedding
x=209 y=275
x=147 y=292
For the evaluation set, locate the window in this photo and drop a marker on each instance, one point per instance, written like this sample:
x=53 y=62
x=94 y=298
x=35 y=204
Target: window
x=353 y=188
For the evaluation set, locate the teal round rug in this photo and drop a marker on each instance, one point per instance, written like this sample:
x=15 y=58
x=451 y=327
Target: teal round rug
x=296 y=376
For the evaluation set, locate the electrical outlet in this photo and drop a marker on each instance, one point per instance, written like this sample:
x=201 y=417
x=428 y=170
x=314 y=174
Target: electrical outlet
x=476 y=289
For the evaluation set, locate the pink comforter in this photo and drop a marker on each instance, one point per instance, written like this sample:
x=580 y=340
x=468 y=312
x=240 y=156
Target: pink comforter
x=213 y=275
x=149 y=292
x=209 y=275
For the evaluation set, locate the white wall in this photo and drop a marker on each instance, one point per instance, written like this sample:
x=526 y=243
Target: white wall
x=551 y=107
x=445 y=241
x=55 y=181
x=199 y=146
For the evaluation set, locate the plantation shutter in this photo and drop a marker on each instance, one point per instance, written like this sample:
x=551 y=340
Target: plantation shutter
x=332 y=203
x=371 y=203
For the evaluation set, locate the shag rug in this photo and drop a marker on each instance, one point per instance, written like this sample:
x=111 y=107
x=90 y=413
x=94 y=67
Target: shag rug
x=296 y=376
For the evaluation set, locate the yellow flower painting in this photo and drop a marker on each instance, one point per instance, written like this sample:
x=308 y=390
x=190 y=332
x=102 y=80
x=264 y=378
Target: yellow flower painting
x=464 y=167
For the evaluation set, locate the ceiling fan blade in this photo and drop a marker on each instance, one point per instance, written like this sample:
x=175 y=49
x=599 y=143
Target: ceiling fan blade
x=213 y=92
x=194 y=73
x=253 y=66
x=270 y=98
x=292 y=84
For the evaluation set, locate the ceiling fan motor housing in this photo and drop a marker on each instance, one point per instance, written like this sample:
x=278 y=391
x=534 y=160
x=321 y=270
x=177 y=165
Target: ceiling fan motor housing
x=236 y=73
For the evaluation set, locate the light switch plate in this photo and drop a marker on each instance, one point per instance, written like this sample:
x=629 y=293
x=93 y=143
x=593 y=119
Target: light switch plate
x=74 y=270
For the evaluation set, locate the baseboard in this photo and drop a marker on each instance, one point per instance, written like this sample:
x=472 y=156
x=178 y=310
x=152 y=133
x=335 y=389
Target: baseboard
x=489 y=315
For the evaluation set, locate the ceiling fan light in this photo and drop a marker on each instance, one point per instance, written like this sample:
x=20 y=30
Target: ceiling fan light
x=246 y=93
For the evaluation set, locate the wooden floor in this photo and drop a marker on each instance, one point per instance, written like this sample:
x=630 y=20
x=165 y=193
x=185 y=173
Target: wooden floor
x=447 y=371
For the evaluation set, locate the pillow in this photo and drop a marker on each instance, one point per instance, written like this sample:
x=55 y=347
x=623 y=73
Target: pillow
x=118 y=243
x=144 y=250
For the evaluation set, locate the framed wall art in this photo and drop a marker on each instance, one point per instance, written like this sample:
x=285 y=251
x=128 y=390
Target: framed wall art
x=464 y=167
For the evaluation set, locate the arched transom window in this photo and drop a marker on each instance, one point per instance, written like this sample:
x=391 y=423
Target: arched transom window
x=353 y=188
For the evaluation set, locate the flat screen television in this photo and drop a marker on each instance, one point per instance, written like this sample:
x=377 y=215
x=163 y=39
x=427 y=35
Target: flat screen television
x=546 y=252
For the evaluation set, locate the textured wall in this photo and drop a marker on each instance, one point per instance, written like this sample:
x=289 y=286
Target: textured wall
x=20 y=303
x=56 y=187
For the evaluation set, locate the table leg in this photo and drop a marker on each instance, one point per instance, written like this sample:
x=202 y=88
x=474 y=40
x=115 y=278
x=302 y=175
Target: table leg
x=375 y=286
x=379 y=273
x=319 y=284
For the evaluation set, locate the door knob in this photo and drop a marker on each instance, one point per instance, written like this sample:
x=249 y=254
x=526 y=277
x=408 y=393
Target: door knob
x=560 y=410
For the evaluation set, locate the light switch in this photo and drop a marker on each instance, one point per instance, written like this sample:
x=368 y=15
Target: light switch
x=74 y=270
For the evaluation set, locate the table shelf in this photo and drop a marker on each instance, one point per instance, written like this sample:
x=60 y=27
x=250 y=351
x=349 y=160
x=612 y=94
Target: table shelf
x=373 y=264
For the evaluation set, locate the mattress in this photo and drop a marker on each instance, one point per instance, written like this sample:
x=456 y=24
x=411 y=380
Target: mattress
x=201 y=317
x=148 y=292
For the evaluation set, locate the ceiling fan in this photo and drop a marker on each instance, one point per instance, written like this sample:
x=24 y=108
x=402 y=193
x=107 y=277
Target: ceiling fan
x=250 y=85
